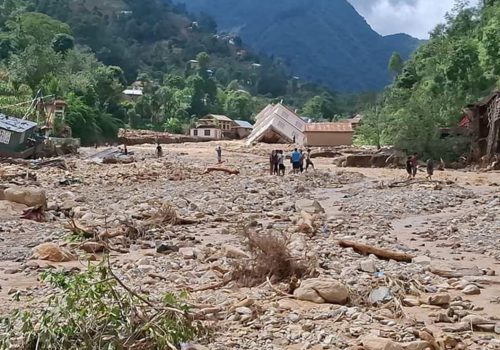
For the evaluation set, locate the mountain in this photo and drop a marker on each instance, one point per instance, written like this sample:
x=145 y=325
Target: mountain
x=325 y=41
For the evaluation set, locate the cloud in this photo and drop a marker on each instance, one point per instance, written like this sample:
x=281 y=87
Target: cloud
x=414 y=17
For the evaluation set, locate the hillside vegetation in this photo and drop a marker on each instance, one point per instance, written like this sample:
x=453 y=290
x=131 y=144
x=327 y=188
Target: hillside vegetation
x=458 y=66
x=88 y=51
x=325 y=41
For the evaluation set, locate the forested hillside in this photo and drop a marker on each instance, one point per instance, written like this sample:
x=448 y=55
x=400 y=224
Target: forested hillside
x=88 y=51
x=458 y=66
x=324 y=41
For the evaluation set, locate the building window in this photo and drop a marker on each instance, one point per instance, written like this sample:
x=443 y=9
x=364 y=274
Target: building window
x=207 y=132
x=195 y=132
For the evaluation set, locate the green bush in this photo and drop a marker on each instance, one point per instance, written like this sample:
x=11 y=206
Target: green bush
x=95 y=310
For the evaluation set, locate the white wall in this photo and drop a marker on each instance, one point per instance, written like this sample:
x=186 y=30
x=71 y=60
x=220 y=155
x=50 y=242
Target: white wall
x=211 y=133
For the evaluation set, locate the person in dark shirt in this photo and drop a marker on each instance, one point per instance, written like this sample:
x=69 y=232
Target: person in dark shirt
x=159 y=151
x=430 y=169
x=409 y=167
x=414 y=165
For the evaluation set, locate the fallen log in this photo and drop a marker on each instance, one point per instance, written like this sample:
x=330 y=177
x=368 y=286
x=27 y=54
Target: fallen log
x=225 y=170
x=413 y=182
x=306 y=223
x=381 y=253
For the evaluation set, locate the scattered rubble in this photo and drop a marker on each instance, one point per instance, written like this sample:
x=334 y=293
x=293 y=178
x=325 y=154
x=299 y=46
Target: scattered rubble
x=329 y=259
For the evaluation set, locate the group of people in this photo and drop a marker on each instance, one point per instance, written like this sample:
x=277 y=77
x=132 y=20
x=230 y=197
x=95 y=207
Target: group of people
x=298 y=158
x=412 y=167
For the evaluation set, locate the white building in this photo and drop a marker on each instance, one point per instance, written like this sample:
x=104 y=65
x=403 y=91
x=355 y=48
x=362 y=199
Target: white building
x=277 y=124
x=206 y=132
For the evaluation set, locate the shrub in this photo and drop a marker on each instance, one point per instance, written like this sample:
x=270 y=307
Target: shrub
x=95 y=310
x=270 y=258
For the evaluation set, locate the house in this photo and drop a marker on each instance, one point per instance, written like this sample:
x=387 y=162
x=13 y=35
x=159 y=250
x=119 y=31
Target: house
x=132 y=93
x=221 y=121
x=277 y=124
x=206 y=132
x=354 y=121
x=328 y=134
x=242 y=129
x=483 y=122
x=14 y=137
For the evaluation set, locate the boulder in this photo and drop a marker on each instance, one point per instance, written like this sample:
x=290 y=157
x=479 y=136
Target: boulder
x=309 y=206
x=233 y=252
x=52 y=252
x=30 y=196
x=422 y=260
x=471 y=289
x=497 y=328
x=380 y=295
x=417 y=345
x=376 y=343
x=187 y=253
x=440 y=299
x=368 y=265
x=322 y=291
x=92 y=247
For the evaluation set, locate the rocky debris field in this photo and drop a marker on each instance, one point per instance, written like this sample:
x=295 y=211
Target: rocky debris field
x=261 y=256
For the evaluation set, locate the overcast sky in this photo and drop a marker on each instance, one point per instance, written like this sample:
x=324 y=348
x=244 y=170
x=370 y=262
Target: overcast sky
x=414 y=17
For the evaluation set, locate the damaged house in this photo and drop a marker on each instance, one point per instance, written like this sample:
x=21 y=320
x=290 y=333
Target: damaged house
x=483 y=122
x=277 y=124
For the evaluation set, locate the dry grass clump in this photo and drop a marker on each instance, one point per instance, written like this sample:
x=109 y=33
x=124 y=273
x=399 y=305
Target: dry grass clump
x=270 y=258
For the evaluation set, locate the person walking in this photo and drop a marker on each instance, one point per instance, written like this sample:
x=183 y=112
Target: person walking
x=308 y=160
x=218 y=149
x=430 y=169
x=295 y=159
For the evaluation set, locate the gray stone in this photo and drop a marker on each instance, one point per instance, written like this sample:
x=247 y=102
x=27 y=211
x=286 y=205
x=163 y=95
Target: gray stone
x=439 y=299
x=471 y=289
x=368 y=265
x=380 y=295
x=497 y=328
x=309 y=206
x=243 y=310
x=422 y=260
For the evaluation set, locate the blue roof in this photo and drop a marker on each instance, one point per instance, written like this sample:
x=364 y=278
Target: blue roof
x=15 y=124
x=244 y=124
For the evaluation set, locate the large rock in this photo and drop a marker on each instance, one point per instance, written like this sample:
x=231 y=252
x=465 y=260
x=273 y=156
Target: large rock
x=30 y=196
x=417 y=345
x=376 y=343
x=322 y=291
x=309 y=206
x=52 y=252
x=10 y=209
x=439 y=299
x=471 y=289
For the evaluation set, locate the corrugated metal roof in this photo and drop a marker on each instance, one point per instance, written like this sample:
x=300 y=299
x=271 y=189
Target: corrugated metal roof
x=15 y=124
x=220 y=117
x=244 y=124
x=329 y=127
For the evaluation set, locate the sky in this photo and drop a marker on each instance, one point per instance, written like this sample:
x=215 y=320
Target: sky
x=414 y=17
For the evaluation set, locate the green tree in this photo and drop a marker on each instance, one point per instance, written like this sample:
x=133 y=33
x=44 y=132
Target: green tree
x=239 y=105
x=62 y=43
x=396 y=64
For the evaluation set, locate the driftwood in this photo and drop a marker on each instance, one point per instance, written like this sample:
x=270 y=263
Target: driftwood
x=379 y=252
x=34 y=214
x=228 y=171
x=455 y=273
x=412 y=182
x=306 y=223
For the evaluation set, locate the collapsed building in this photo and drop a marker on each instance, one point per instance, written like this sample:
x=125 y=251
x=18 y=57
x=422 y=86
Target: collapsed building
x=483 y=121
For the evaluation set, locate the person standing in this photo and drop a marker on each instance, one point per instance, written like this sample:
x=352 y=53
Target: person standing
x=409 y=167
x=308 y=160
x=302 y=159
x=295 y=159
x=272 y=159
x=281 y=163
x=218 y=149
x=414 y=165
x=159 y=151
x=430 y=168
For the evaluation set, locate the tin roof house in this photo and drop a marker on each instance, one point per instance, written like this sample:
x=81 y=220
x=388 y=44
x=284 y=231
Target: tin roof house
x=14 y=136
